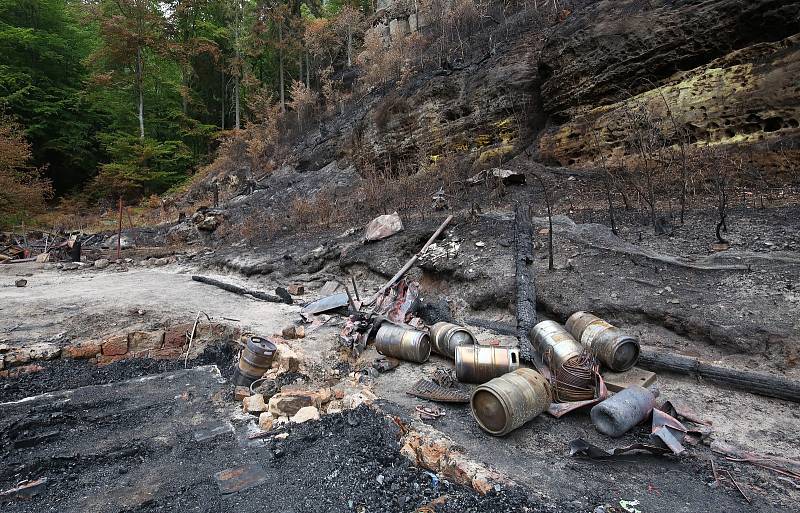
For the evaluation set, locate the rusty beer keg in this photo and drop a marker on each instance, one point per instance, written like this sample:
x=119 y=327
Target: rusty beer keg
x=509 y=401
x=447 y=336
x=403 y=343
x=479 y=364
x=254 y=361
x=612 y=346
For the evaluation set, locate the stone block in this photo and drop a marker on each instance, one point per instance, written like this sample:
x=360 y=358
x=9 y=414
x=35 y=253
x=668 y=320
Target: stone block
x=254 y=404
x=296 y=289
x=175 y=336
x=115 y=346
x=84 y=349
x=265 y=421
x=240 y=393
x=140 y=341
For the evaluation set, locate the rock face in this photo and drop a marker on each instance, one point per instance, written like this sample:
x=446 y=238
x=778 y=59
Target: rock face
x=485 y=111
x=609 y=50
x=719 y=72
x=749 y=96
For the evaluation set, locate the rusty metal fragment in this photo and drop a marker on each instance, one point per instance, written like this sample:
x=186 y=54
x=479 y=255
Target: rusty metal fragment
x=427 y=389
x=236 y=479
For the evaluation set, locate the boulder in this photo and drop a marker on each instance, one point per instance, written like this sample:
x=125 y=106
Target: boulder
x=383 y=226
x=101 y=263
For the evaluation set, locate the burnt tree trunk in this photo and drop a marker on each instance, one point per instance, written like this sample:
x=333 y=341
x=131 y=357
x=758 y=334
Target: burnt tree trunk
x=526 y=289
x=753 y=382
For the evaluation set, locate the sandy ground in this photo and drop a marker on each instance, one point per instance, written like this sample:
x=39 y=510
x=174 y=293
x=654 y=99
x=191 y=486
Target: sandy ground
x=87 y=303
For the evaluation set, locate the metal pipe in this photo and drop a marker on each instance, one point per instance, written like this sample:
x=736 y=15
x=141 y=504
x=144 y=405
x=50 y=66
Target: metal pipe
x=618 y=350
x=403 y=343
x=509 y=401
x=447 y=336
x=621 y=412
x=479 y=364
x=255 y=360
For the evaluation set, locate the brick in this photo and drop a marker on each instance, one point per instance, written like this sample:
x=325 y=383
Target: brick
x=44 y=351
x=25 y=369
x=165 y=353
x=106 y=360
x=140 y=341
x=115 y=346
x=85 y=349
x=296 y=289
x=175 y=336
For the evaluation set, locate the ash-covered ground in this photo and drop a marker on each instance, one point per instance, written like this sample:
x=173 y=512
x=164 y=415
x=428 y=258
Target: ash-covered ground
x=156 y=443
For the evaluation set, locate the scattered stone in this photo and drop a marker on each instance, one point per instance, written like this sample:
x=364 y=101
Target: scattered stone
x=115 y=346
x=292 y=332
x=674 y=301
x=334 y=406
x=266 y=421
x=305 y=414
x=480 y=244
x=21 y=282
x=44 y=351
x=286 y=359
x=287 y=404
x=507 y=176
x=70 y=266
x=254 y=404
x=101 y=263
x=241 y=393
x=384 y=226
x=85 y=349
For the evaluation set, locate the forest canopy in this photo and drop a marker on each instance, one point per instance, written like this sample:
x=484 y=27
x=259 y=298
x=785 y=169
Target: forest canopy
x=110 y=98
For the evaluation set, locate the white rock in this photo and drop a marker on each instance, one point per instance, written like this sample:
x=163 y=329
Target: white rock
x=305 y=414
x=384 y=226
x=101 y=263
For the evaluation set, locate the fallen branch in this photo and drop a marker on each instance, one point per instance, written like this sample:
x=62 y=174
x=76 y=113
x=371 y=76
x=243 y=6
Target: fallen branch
x=409 y=264
x=241 y=291
x=753 y=382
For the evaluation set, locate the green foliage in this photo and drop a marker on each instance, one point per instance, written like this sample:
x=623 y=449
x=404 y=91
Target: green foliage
x=140 y=167
x=77 y=73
